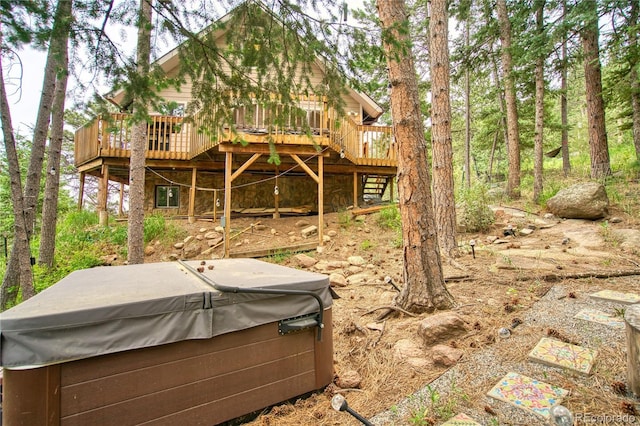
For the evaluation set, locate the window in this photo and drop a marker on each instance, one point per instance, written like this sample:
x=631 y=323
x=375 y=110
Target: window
x=167 y=197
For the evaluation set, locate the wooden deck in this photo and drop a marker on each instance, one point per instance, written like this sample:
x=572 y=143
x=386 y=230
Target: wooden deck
x=179 y=138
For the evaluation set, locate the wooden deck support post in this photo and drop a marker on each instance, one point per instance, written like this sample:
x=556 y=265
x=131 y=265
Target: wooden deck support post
x=632 y=329
x=226 y=221
x=320 y=200
x=192 y=196
x=103 y=196
x=121 y=201
x=391 y=198
x=276 y=198
x=215 y=204
x=81 y=190
x=355 y=190
x=229 y=177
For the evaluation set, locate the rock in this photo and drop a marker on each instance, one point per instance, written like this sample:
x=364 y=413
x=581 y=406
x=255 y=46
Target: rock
x=219 y=229
x=615 y=219
x=109 y=259
x=362 y=277
x=337 y=280
x=445 y=355
x=238 y=244
x=188 y=239
x=366 y=230
x=580 y=201
x=199 y=237
x=173 y=257
x=211 y=235
x=354 y=269
x=203 y=230
x=332 y=233
x=191 y=251
x=356 y=260
x=305 y=261
x=526 y=231
x=337 y=264
x=549 y=216
x=214 y=242
x=290 y=233
x=410 y=352
x=149 y=250
x=178 y=245
x=319 y=249
x=309 y=231
x=361 y=218
x=441 y=327
x=350 y=379
x=351 y=243
x=260 y=227
x=514 y=245
x=273 y=231
x=326 y=238
x=302 y=223
x=491 y=238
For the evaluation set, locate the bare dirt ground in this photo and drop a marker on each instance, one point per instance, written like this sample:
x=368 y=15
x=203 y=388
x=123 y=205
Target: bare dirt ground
x=494 y=289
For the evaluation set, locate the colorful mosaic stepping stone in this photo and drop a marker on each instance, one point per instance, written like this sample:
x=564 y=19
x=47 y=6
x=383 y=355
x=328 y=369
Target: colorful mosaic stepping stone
x=529 y=394
x=555 y=353
x=616 y=296
x=600 y=317
x=460 y=420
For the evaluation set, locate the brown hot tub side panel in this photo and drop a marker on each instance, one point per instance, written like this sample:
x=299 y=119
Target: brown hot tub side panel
x=190 y=382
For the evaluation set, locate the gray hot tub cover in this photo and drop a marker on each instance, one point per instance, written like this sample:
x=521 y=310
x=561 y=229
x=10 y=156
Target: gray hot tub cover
x=111 y=309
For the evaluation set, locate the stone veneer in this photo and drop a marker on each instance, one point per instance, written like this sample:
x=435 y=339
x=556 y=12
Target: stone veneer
x=295 y=191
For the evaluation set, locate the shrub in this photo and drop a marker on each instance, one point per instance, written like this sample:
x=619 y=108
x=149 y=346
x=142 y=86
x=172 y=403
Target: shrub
x=473 y=209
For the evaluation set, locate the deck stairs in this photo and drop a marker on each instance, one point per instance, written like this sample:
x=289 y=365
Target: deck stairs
x=374 y=186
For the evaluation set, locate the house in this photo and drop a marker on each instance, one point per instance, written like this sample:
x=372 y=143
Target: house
x=329 y=160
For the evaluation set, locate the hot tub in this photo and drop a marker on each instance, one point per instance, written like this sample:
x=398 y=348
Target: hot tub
x=166 y=343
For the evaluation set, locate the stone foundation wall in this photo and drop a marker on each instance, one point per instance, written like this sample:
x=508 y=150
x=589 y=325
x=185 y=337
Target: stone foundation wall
x=250 y=191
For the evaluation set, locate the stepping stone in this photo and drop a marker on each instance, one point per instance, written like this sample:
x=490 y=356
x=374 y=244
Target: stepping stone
x=555 y=353
x=616 y=296
x=460 y=420
x=529 y=394
x=600 y=317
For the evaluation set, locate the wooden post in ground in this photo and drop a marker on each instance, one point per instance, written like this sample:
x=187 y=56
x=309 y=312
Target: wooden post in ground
x=192 y=196
x=121 y=201
x=103 y=196
x=355 y=190
x=391 y=179
x=320 y=200
x=632 y=328
x=276 y=198
x=215 y=204
x=227 y=202
x=81 y=190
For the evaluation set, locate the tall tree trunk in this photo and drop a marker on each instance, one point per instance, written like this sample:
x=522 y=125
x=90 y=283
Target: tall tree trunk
x=467 y=108
x=539 y=120
x=139 y=141
x=598 y=144
x=513 y=147
x=20 y=254
x=13 y=273
x=633 y=75
x=564 y=107
x=424 y=289
x=52 y=184
x=500 y=100
x=442 y=160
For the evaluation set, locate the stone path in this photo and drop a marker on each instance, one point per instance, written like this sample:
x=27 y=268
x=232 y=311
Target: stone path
x=523 y=393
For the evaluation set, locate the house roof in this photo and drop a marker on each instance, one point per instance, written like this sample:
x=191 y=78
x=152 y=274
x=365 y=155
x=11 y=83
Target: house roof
x=372 y=111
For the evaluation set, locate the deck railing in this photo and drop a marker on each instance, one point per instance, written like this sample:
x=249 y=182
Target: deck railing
x=175 y=138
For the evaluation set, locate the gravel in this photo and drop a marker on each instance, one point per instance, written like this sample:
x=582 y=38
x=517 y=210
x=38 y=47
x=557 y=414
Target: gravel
x=463 y=388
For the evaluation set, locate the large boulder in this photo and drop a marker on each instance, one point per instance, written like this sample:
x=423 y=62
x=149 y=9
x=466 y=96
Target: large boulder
x=441 y=327
x=580 y=201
